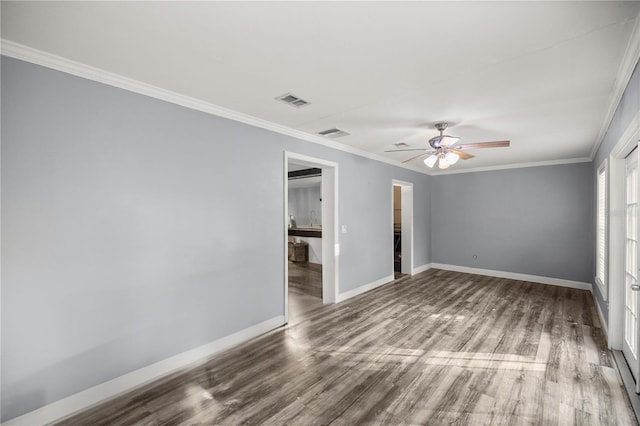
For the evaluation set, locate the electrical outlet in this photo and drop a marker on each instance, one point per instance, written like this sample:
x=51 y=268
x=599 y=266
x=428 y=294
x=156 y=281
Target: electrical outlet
x=475 y=257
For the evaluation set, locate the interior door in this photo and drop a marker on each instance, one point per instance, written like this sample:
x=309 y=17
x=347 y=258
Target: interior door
x=631 y=285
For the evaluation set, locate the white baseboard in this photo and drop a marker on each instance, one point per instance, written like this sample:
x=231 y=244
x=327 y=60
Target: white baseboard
x=127 y=382
x=363 y=288
x=601 y=316
x=515 y=276
x=422 y=268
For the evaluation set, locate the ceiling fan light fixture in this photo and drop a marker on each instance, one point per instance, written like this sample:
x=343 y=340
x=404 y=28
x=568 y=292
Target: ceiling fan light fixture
x=451 y=157
x=430 y=161
x=443 y=149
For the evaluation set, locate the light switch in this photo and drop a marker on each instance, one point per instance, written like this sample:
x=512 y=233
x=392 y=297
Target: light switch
x=343 y=229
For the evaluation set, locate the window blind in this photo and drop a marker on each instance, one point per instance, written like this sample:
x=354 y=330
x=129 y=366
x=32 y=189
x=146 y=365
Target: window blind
x=601 y=231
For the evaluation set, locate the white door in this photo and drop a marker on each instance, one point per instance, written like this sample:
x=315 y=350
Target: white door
x=631 y=293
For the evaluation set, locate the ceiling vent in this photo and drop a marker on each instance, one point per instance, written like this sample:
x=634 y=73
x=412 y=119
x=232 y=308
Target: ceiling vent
x=334 y=133
x=293 y=100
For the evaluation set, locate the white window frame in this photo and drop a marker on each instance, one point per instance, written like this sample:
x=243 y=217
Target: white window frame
x=601 y=278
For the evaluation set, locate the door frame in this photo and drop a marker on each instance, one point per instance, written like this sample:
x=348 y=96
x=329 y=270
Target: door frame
x=616 y=185
x=630 y=351
x=406 y=227
x=616 y=251
x=329 y=208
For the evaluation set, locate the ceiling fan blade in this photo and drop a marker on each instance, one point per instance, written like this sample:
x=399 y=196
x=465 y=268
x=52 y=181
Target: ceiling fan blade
x=494 y=144
x=418 y=156
x=443 y=141
x=447 y=140
x=462 y=154
x=411 y=149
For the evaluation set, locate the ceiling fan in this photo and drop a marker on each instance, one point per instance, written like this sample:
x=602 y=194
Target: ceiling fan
x=443 y=151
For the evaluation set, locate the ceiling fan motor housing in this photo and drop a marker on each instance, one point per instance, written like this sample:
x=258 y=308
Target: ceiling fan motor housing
x=441 y=126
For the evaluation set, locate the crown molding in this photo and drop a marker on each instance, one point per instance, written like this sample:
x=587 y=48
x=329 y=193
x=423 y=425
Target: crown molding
x=58 y=63
x=514 y=166
x=625 y=70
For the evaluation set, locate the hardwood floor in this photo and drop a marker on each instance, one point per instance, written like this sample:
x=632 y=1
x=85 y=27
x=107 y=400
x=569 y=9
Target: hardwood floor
x=305 y=289
x=305 y=278
x=440 y=348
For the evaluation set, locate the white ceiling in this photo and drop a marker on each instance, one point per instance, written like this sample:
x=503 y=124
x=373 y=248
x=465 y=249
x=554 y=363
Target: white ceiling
x=538 y=73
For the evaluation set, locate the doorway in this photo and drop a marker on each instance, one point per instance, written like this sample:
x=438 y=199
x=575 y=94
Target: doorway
x=402 y=225
x=310 y=234
x=304 y=232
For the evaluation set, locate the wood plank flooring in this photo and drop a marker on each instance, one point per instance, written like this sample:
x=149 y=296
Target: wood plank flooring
x=305 y=289
x=305 y=278
x=440 y=348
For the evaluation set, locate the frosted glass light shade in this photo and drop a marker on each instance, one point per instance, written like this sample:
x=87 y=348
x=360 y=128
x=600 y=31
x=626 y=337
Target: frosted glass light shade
x=443 y=164
x=452 y=157
x=430 y=161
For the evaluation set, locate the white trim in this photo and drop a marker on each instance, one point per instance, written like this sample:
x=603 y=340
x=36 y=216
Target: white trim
x=603 y=323
x=329 y=195
x=616 y=250
x=626 y=143
x=406 y=227
x=422 y=268
x=515 y=276
x=509 y=275
x=512 y=166
x=363 y=288
x=100 y=393
x=627 y=140
x=39 y=57
x=625 y=71
x=285 y=195
x=49 y=60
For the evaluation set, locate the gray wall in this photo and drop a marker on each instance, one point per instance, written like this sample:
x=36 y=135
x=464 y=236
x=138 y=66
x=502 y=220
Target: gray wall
x=303 y=201
x=627 y=109
x=127 y=229
x=533 y=220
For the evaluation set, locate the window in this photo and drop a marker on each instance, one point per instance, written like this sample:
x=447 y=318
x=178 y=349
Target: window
x=601 y=230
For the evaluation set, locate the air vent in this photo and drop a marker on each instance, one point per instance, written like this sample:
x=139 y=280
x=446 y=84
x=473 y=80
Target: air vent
x=334 y=133
x=290 y=99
